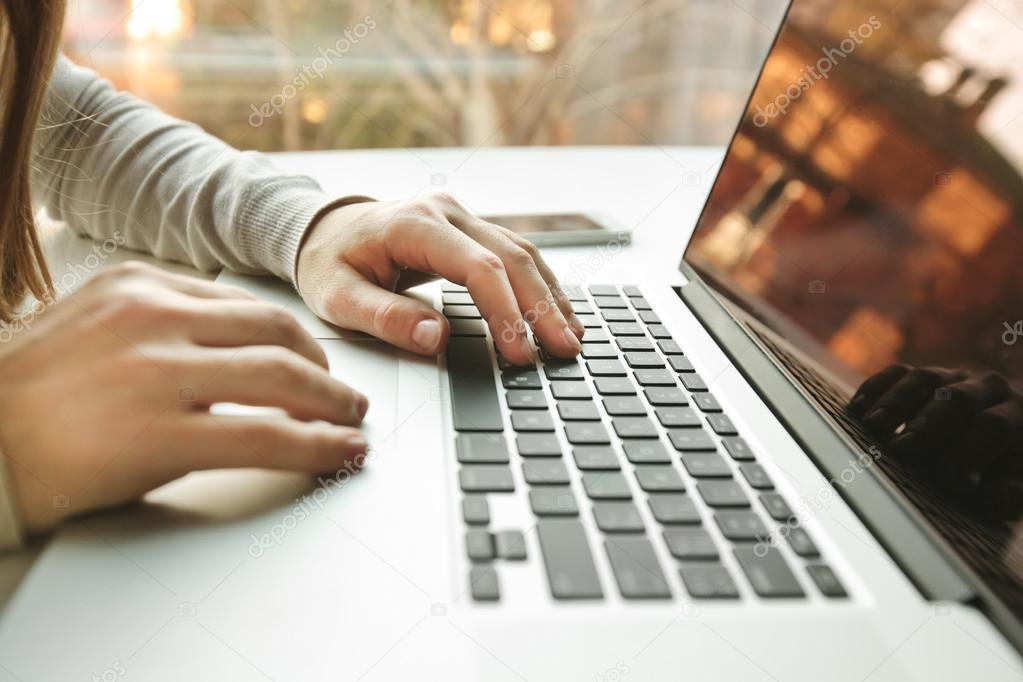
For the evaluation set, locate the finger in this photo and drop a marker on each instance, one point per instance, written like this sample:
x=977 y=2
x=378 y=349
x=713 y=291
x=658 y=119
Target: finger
x=200 y=288
x=951 y=409
x=434 y=245
x=231 y=441
x=253 y=323
x=270 y=376
x=874 y=387
x=533 y=295
x=906 y=398
x=399 y=320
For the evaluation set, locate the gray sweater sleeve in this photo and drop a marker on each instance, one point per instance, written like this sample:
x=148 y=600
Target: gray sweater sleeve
x=108 y=163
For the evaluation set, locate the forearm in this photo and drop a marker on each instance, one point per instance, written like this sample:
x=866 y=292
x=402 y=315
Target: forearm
x=111 y=165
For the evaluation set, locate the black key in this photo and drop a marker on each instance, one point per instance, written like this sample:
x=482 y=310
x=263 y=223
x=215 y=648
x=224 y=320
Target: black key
x=483 y=583
x=682 y=417
x=479 y=545
x=605 y=368
x=506 y=366
x=631 y=290
x=481 y=448
x=776 y=506
x=606 y=486
x=655 y=377
x=659 y=479
x=634 y=427
x=649 y=317
x=666 y=396
x=636 y=568
x=706 y=465
x=617 y=517
x=613 y=301
x=641 y=360
x=627 y=406
x=826 y=580
x=486 y=478
x=526 y=400
x=767 y=571
x=574 y=293
x=457 y=298
x=582 y=308
x=617 y=316
x=741 y=526
x=756 y=476
x=570 y=390
x=595 y=336
x=634 y=343
x=568 y=559
x=603 y=289
x=708 y=581
x=451 y=287
x=670 y=347
x=553 y=502
x=646 y=452
x=476 y=510
x=722 y=494
x=693 y=381
x=510 y=544
x=590 y=321
x=462 y=312
x=614 y=386
x=659 y=331
x=468 y=328
x=670 y=509
x=721 y=424
x=595 y=457
x=706 y=402
x=532 y=421
x=564 y=371
x=521 y=378
x=690 y=543
x=599 y=351
x=625 y=329
x=639 y=303
x=799 y=541
x=680 y=363
x=691 y=440
x=737 y=448
x=537 y=445
x=545 y=472
x=578 y=410
x=587 y=433
x=474 y=401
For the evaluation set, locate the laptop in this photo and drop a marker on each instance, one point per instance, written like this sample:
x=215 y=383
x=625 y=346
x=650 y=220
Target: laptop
x=691 y=498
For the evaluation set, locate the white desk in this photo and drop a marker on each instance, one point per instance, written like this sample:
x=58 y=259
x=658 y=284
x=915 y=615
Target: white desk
x=654 y=192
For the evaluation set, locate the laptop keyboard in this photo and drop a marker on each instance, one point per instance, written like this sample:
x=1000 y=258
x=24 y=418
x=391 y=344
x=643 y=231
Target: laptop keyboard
x=642 y=428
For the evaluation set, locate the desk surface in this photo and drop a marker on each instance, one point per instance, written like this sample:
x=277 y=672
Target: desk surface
x=654 y=192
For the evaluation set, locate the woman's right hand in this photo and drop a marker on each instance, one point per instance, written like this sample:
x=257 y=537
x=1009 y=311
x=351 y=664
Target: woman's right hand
x=107 y=395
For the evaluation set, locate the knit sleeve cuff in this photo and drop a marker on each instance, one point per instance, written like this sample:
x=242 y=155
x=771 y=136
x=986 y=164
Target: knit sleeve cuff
x=273 y=229
x=11 y=534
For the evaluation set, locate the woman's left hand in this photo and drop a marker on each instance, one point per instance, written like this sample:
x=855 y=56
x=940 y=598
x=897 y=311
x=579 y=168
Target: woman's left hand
x=356 y=257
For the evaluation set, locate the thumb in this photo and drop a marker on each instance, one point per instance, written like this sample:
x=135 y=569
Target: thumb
x=399 y=320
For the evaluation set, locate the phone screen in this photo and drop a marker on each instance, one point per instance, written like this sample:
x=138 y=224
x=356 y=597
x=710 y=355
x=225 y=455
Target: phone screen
x=533 y=224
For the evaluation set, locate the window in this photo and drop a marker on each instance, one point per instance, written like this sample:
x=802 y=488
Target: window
x=302 y=74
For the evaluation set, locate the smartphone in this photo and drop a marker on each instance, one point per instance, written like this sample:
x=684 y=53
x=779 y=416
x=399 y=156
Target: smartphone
x=561 y=229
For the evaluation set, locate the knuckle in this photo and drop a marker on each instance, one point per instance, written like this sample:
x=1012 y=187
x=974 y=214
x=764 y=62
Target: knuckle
x=488 y=262
x=387 y=315
x=519 y=258
x=281 y=365
x=444 y=198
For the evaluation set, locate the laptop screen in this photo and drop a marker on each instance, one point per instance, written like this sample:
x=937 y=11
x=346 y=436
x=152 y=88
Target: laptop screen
x=869 y=215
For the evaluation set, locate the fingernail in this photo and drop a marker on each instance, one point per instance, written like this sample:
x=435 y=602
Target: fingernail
x=572 y=340
x=427 y=335
x=357 y=443
x=360 y=406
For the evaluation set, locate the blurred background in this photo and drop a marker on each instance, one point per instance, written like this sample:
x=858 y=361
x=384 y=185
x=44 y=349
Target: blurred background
x=328 y=74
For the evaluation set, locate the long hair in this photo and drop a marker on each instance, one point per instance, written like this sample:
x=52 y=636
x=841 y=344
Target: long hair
x=29 y=40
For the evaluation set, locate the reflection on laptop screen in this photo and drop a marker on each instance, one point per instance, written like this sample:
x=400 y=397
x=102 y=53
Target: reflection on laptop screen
x=868 y=213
